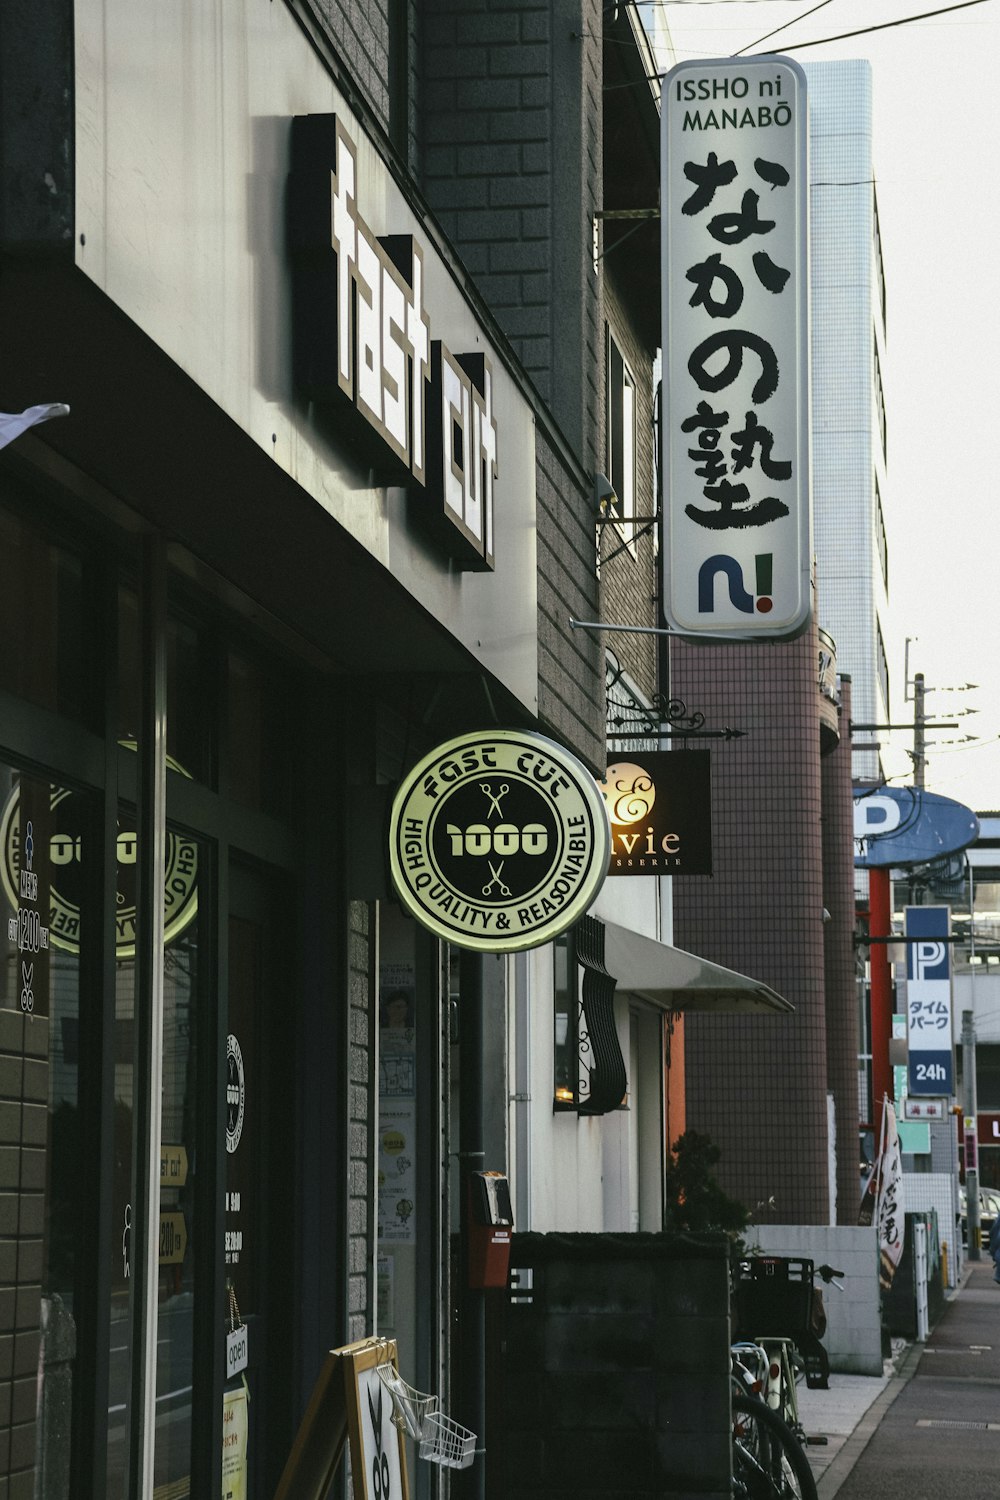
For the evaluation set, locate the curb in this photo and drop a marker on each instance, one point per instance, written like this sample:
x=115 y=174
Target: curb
x=839 y=1468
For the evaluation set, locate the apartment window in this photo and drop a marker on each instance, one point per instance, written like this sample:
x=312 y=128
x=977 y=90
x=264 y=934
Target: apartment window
x=620 y=407
x=882 y=664
x=398 y=76
x=880 y=541
x=879 y=268
x=879 y=396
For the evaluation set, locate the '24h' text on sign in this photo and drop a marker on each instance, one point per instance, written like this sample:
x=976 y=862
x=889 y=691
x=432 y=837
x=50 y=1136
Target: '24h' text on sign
x=930 y=1067
x=737 y=548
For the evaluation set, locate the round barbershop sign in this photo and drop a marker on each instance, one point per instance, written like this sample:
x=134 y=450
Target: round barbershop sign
x=498 y=842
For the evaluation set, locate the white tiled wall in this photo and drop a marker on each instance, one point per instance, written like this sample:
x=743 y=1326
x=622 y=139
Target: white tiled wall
x=847 y=450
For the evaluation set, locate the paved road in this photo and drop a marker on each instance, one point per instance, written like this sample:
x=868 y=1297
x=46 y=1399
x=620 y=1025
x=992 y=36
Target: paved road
x=941 y=1435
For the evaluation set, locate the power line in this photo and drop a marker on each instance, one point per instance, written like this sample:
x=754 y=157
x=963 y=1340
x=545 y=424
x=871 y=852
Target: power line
x=785 y=25
x=819 y=42
x=882 y=26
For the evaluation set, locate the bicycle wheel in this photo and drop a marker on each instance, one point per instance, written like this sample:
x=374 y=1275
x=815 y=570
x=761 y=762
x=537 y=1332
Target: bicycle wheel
x=768 y=1461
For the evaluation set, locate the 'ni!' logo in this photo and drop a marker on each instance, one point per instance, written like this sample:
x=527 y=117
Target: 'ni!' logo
x=760 y=600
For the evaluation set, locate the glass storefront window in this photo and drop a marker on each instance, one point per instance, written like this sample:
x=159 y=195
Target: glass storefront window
x=41 y=620
x=190 y=730
x=40 y=1127
x=257 y=761
x=566 y=1041
x=182 y=985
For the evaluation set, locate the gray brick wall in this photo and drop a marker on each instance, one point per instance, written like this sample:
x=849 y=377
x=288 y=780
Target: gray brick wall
x=505 y=114
x=360 y=1146
x=24 y=1050
x=511 y=112
x=570 y=675
x=629 y=586
x=360 y=32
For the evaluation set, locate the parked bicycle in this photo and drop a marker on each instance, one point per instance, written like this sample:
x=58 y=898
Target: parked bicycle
x=785 y=1368
x=769 y=1463
x=768 y=1459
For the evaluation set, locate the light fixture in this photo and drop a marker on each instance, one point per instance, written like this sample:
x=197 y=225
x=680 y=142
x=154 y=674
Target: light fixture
x=605 y=496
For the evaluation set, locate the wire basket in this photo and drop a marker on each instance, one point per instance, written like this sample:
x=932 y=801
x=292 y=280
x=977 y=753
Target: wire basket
x=444 y=1442
x=410 y=1408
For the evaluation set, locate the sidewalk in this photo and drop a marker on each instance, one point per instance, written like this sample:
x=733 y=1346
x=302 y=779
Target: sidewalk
x=848 y=1412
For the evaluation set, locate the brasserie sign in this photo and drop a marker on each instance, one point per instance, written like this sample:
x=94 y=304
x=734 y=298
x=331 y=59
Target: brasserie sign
x=660 y=807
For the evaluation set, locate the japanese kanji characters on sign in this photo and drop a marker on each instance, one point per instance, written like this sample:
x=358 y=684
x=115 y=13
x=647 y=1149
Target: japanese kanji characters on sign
x=737 y=525
x=889 y=1213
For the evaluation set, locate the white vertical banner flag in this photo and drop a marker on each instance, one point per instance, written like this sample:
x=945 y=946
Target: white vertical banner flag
x=889 y=1214
x=12 y=424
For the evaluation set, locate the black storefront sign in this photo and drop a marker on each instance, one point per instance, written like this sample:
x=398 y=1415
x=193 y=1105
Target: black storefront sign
x=660 y=806
x=364 y=349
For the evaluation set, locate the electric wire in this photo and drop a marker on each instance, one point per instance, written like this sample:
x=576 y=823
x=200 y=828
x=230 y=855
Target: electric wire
x=881 y=26
x=819 y=41
x=785 y=25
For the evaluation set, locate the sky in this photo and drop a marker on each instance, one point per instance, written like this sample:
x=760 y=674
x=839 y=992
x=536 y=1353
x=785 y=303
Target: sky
x=936 y=146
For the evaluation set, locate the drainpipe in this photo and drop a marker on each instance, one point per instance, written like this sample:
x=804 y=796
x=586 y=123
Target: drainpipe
x=470 y=1484
x=880 y=916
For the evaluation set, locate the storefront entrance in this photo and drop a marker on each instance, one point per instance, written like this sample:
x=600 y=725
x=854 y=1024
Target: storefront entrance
x=148 y=1119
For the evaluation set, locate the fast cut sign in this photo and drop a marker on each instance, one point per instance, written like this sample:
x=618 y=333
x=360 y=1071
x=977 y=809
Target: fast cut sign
x=735 y=276
x=498 y=842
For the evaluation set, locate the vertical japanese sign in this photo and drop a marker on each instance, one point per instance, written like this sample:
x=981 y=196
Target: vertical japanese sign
x=930 y=1068
x=890 y=1214
x=735 y=275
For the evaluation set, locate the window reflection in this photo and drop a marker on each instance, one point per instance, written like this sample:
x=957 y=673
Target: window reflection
x=40 y=1125
x=41 y=620
x=175 y=1312
x=566 y=1069
x=190 y=730
x=256 y=732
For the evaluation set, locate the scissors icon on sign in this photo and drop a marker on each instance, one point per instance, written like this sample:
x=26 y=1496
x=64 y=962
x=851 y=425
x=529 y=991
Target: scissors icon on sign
x=496 y=881
x=502 y=791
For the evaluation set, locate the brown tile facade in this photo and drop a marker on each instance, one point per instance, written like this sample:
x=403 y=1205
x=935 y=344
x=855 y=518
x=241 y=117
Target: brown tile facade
x=758 y=1086
x=842 y=1025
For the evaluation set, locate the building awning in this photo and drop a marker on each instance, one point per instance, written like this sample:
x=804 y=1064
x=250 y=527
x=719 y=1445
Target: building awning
x=675 y=980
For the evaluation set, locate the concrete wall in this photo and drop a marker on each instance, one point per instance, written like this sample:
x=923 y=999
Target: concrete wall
x=853 y=1338
x=926 y=1190
x=613 y=1380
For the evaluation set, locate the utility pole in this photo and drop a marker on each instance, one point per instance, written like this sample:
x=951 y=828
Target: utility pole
x=919 y=743
x=971 y=1157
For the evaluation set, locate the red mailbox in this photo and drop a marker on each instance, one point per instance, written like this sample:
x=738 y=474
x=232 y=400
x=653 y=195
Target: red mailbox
x=491 y=1222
